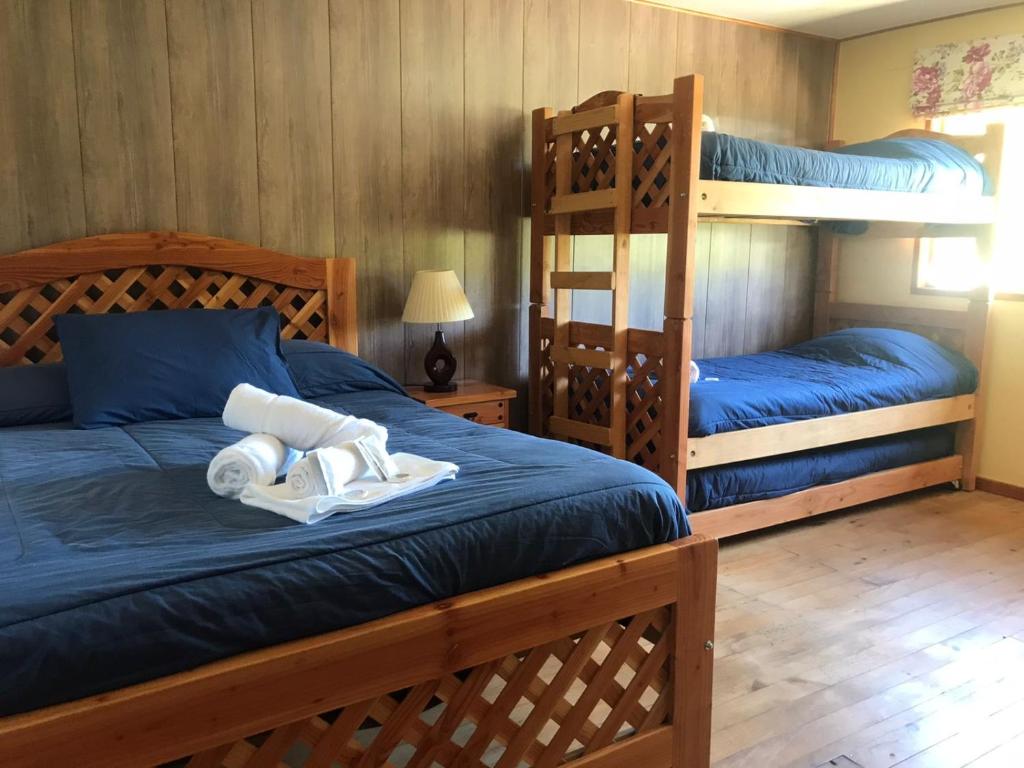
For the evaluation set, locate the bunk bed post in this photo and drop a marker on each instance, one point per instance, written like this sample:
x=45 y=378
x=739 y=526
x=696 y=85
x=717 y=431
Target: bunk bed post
x=680 y=277
x=540 y=264
x=826 y=280
x=975 y=343
x=622 y=224
x=563 y=263
x=694 y=656
x=978 y=309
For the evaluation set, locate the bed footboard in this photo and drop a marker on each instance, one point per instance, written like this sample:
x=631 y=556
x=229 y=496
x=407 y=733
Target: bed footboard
x=600 y=665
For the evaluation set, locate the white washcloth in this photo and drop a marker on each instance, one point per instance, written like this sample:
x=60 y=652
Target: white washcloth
x=326 y=471
x=295 y=422
x=694 y=372
x=415 y=474
x=256 y=459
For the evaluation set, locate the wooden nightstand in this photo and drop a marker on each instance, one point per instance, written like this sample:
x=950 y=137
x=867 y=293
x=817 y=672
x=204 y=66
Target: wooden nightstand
x=473 y=400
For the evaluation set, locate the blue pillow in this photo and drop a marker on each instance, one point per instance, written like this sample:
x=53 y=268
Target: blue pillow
x=34 y=394
x=320 y=370
x=148 y=366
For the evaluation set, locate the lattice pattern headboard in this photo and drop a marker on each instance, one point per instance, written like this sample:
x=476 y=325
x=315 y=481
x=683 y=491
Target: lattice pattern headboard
x=167 y=270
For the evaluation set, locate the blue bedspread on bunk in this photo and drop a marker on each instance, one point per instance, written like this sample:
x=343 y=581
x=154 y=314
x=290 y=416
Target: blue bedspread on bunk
x=849 y=370
x=776 y=476
x=892 y=165
x=118 y=565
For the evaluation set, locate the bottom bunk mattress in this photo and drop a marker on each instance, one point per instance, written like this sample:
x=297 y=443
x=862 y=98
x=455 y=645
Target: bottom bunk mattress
x=855 y=369
x=118 y=565
x=776 y=476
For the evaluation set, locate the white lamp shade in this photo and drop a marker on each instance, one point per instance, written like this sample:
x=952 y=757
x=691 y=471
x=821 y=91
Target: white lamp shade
x=436 y=296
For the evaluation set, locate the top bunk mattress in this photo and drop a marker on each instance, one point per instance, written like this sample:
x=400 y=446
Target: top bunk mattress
x=118 y=565
x=887 y=165
x=850 y=370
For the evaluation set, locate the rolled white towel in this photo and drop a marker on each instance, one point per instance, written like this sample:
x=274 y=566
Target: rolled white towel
x=325 y=471
x=694 y=372
x=707 y=124
x=295 y=422
x=258 y=459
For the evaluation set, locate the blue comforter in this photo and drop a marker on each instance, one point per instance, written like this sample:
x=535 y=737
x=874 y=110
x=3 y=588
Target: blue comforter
x=850 y=370
x=891 y=165
x=117 y=564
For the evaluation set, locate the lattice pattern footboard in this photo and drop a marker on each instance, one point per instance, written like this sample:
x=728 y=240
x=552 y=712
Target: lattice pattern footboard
x=546 y=706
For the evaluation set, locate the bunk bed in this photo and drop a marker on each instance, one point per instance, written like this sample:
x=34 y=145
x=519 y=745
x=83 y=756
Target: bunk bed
x=626 y=391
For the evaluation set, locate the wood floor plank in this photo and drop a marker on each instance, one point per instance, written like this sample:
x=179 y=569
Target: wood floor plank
x=872 y=634
x=970 y=744
x=1011 y=753
x=994 y=686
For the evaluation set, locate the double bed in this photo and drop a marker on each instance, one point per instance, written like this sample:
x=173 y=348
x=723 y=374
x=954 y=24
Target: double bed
x=487 y=620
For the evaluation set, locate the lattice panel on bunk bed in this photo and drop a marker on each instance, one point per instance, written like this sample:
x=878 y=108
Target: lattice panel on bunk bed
x=590 y=394
x=549 y=173
x=593 y=165
x=644 y=408
x=652 y=160
x=546 y=706
x=26 y=316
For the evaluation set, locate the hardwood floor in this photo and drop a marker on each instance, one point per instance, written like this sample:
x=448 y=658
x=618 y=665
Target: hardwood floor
x=892 y=635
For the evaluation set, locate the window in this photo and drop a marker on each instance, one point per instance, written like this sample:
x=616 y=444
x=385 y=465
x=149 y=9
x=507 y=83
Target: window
x=950 y=265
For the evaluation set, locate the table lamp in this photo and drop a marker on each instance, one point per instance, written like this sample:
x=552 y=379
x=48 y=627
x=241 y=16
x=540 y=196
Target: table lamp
x=436 y=296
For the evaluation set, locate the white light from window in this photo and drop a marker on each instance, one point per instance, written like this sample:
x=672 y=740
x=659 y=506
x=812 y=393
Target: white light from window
x=952 y=264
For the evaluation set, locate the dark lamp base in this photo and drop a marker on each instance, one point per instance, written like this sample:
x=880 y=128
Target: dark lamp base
x=440 y=366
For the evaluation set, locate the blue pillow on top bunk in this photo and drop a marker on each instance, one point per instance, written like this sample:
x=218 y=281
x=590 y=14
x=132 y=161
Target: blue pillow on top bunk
x=181 y=364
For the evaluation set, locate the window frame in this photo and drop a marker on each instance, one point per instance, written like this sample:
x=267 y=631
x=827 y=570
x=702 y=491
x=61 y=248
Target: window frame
x=924 y=290
x=915 y=274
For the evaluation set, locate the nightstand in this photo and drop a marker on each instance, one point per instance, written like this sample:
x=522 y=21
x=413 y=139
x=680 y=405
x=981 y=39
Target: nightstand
x=473 y=400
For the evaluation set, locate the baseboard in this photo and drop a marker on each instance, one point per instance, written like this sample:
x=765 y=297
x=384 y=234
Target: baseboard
x=1000 y=488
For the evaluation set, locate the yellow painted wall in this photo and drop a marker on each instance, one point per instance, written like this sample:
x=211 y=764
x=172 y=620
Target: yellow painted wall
x=872 y=99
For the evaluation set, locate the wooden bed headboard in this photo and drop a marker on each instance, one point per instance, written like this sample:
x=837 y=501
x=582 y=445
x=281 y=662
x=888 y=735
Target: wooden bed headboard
x=168 y=270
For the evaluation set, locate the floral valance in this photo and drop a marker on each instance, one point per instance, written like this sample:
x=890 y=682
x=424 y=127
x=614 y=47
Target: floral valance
x=960 y=77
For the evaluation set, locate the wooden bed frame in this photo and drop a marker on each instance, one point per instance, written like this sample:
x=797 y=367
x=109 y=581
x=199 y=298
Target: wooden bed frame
x=596 y=666
x=626 y=391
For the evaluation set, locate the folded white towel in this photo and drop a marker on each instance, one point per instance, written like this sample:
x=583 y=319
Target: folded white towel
x=256 y=459
x=325 y=471
x=415 y=473
x=694 y=372
x=295 y=422
x=707 y=124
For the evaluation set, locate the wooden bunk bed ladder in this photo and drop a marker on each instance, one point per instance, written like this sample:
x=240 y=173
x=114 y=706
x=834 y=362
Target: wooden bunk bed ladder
x=592 y=164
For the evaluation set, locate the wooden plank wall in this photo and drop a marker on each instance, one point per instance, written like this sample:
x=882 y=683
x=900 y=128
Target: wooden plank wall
x=753 y=282
x=394 y=131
